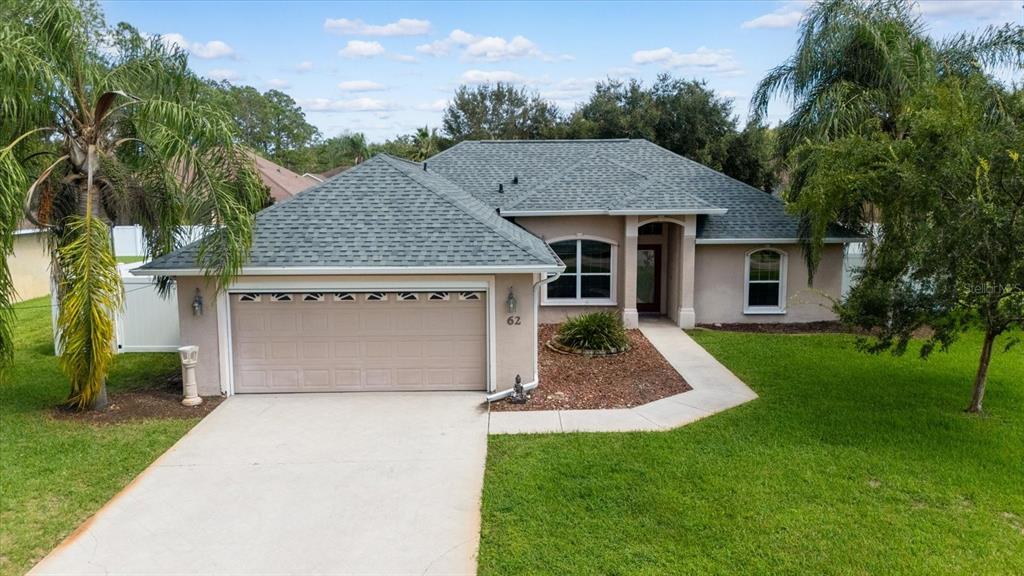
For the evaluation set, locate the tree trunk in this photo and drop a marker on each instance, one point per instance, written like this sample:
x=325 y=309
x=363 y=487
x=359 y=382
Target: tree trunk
x=982 y=375
x=99 y=402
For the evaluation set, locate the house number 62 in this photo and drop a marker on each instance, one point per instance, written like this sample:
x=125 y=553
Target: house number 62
x=514 y=321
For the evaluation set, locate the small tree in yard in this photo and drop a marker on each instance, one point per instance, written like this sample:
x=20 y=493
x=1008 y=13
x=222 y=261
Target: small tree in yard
x=89 y=138
x=950 y=202
x=908 y=138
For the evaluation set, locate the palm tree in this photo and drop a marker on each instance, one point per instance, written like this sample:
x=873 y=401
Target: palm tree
x=858 y=64
x=356 y=147
x=90 y=137
x=425 y=143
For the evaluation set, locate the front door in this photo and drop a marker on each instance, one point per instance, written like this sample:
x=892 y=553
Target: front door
x=648 y=278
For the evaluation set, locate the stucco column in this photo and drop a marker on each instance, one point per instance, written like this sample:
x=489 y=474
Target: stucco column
x=630 y=317
x=687 y=251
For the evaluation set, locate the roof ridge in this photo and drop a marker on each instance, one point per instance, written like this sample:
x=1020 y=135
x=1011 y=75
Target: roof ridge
x=692 y=161
x=530 y=193
x=651 y=180
x=492 y=224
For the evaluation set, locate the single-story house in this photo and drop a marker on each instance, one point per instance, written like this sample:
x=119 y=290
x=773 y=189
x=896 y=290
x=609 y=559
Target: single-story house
x=395 y=275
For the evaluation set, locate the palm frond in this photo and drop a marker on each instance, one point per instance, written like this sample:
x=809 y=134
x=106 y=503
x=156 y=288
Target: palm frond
x=91 y=293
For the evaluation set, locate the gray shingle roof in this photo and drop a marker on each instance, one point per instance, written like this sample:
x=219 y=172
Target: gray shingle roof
x=383 y=213
x=612 y=175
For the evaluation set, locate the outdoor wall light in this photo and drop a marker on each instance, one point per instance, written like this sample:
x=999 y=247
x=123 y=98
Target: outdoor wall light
x=197 y=304
x=511 y=304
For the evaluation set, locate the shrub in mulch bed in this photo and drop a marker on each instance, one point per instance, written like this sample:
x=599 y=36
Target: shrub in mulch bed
x=592 y=333
x=572 y=382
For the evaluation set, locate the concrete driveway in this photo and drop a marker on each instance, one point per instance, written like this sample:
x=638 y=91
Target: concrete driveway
x=366 y=483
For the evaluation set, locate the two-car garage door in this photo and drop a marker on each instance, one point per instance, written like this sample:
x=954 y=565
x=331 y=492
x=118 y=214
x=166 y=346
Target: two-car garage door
x=350 y=341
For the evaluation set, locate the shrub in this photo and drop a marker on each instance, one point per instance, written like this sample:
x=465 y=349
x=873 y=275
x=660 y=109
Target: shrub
x=598 y=331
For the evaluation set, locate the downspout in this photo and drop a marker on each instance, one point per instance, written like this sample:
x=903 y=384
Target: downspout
x=536 y=308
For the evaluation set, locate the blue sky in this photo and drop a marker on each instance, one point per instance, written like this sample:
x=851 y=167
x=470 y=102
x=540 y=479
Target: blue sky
x=385 y=68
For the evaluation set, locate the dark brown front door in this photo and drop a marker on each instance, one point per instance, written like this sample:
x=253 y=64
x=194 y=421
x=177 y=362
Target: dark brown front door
x=648 y=278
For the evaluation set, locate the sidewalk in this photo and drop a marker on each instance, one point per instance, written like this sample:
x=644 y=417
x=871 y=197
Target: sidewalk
x=715 y=389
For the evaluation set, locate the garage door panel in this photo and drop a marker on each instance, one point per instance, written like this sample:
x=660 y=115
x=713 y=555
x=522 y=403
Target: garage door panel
x=316 y=343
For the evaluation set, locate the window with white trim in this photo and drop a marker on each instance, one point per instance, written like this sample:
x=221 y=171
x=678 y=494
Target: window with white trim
x=439 y=296
x=765 y=290
x=281 y=297
x=408 y=296
x=469 y=296
x=376 y=297
x=344 y=297
x=589 y=273
x=249 y=297
x=313 y=297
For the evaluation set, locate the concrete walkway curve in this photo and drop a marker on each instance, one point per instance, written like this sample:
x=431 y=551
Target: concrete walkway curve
x=715 y=389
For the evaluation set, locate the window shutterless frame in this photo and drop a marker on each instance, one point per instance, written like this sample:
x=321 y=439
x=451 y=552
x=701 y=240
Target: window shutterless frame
x=579 y=275
x=780 y=307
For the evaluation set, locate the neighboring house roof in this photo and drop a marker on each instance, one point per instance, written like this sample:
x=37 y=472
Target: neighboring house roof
x=382 y=215
x=283 y=183
x=621 y=176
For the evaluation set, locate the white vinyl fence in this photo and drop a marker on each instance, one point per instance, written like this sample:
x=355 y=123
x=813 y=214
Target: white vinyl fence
x=147 y=323
x=129 y=240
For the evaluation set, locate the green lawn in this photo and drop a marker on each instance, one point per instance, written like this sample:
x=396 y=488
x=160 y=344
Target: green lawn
x=847 y=464
x=53 y=473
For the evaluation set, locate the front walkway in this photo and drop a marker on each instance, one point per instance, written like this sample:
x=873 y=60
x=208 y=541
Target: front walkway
x=362 y=483
x=715 y=389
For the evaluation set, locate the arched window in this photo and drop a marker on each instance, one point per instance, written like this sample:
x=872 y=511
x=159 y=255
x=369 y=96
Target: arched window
x=589 y=273
x=765 y=290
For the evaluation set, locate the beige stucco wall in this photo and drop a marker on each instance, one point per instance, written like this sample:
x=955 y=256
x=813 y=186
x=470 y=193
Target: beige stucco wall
x=550 y=228
x=30 y=266
x=719 y=278
x=514 y=342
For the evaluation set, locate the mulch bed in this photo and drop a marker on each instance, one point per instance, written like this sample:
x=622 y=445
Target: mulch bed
x=573 y=382
x=781 y=327
x=160 y=402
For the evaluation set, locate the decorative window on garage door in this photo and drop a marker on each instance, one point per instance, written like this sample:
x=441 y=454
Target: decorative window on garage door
x=281 y=297
x=313 y=297
x=344 y=297
x=439 y=296
x=249 y=297
x=469 y=296
x=376 y=297
x=408 y=296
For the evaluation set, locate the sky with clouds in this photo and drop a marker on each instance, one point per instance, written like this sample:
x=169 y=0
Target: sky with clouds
x=385 y=68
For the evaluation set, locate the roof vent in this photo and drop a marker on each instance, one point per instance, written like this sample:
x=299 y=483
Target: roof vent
x=515 y=179
x=424 y=166
x=501 y=188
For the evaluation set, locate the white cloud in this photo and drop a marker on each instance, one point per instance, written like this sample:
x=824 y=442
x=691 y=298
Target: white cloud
x=972 y=9
x=719 y=61
x=400 y=27
x=491 y=77
x=487 y=48
x=361 y=86
x=622 y=72
x=404 y=57
x=787 y=18
x=494 y=48
x=363 y=104
x=435 y=106
x=224 y=74
x=361 y=49
x=278 y=83
x=304 y=66
x=205 y=50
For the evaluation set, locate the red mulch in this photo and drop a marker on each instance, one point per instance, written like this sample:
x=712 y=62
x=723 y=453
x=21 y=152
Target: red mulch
x=160 y=402
x=573 y=382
